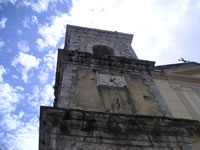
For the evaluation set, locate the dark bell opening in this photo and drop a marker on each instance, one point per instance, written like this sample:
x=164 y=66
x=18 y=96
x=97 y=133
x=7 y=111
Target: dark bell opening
x=102 y=50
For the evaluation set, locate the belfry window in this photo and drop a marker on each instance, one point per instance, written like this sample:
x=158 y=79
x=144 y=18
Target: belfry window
x=102 y=50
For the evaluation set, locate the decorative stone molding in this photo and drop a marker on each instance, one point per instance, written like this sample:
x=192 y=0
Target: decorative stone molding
x=83 y=58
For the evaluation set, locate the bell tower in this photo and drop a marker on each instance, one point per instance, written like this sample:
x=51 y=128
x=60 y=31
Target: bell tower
x=99 y=71
x=105 y=99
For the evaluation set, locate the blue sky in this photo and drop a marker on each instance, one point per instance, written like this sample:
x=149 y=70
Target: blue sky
x=32 y=31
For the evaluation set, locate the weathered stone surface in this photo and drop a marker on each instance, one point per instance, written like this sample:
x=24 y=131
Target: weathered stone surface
x=67 y=128
x=83 y=40
x=105 y=99
x=77 y=85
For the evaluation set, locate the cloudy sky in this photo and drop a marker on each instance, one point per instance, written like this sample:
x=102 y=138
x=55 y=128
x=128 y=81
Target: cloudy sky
x=32 y=31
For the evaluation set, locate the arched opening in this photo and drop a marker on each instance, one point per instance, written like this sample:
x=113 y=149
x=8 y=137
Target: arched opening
x=102 y=50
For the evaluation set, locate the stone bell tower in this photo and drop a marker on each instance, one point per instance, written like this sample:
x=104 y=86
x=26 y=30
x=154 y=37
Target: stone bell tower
x=105 y=97
x=99 y=71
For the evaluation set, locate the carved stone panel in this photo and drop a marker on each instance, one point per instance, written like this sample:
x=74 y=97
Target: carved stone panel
x=111 y=80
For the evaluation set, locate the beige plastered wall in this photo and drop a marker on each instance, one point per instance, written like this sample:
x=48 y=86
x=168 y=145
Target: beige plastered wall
x=182 y=99
x=172 y=99
x=191 y=99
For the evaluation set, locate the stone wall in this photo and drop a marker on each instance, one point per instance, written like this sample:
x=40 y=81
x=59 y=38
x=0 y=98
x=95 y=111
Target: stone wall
x=83 y=39
x=78 y=85
x=109 y=101
x=62 y=129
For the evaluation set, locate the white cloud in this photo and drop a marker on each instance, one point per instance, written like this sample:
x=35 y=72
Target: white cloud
x=16 y=134
x=21 y=114
x=43 y=76
x=2 y=71
x=27 y=62
x=50 y=60
x=34 y=97
x=28 y=21
x=34 y=20
x=52 y=32
x=15 y=77
x=6 y=1
x=8 y=101
x=47 y=95
x=152 y=22
x=40 y=5
x=19 y=88
x=48 y=66
x=41 y=96
x=19 y=32
x=3 y=22
x=8 y=98
x=24 y=75
x=2 y=43
x=23 y=46
x=41 y=44
x=11 y=122
x=25 y=137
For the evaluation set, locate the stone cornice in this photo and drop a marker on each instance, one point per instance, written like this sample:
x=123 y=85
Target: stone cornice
x=112 y=62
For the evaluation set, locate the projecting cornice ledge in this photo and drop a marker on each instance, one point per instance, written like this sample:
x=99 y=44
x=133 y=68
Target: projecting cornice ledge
x=115 y=62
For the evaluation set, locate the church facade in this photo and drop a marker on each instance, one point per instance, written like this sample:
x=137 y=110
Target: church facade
x=106 y=98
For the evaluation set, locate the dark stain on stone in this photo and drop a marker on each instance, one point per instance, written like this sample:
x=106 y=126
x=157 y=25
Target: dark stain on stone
x=55 y=122
x=44 y=123
x=88 y=125
x=147 y=98
x=43 y=142
x=64 y=127
x=113 y=124
x=67 y=115
x=55 y=119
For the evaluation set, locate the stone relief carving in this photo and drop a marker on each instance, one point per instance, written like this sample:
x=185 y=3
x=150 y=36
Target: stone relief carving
x=111 y=80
